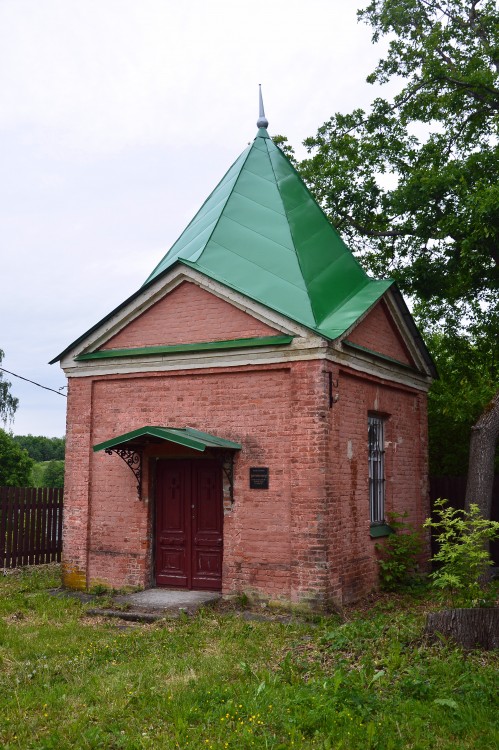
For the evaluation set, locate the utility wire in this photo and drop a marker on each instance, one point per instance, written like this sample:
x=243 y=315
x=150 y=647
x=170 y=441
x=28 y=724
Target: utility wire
x=32 y=381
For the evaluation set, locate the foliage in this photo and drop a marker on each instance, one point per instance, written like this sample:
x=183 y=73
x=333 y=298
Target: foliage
x=398 y=554
x=463 y=556
x=42 y=448
x=413 y=183
x=37 y=472
x=15 y=464
x=47 y=474
x=8 y=402
x=54 y=474
x=469 y=373
x=287 y=149
x=368 y=682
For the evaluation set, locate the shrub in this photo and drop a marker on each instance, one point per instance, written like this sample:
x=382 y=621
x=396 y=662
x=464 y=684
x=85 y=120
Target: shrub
x=463 y=557
x=398 y=561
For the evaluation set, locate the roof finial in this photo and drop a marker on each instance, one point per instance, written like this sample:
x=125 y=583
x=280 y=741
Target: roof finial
x=262 y=121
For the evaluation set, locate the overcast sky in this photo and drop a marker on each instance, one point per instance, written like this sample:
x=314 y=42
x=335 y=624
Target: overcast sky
x=117 y=119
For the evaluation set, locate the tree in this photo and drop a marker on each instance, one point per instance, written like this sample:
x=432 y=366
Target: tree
x=53 y=475
x=413 y=183
x=470 y=369
x=15 y=464
x=8 y=403
x=484 y=435
x=42 y=448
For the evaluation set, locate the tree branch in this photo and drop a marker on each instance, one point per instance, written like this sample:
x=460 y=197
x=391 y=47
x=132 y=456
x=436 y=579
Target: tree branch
x=473 y=92
x=371 y=232
x=392 y=108
x=475 y=23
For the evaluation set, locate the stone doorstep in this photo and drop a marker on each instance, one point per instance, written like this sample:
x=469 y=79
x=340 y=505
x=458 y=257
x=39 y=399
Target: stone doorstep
x=156 y=604
x=128 y=616
x=160 y=598
x=145 y=606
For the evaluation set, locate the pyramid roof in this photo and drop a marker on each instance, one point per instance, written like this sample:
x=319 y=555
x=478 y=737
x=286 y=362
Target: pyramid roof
x=261 y=233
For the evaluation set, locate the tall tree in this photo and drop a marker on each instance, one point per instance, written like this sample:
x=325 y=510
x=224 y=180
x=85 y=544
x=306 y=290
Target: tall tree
x=413 y=183
x=8 y=402
x=15 y=464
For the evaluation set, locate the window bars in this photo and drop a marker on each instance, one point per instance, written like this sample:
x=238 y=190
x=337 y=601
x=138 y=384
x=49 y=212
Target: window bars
x=376 y=469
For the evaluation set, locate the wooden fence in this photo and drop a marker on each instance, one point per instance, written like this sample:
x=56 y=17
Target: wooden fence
x=30 y=526
x=454 y=490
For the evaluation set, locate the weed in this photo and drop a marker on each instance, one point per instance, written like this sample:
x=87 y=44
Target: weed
x=99 y=589
x=242 y=600
x=398 y=561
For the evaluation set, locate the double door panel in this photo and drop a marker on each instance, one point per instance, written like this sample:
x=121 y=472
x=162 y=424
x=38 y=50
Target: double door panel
x=189 y=524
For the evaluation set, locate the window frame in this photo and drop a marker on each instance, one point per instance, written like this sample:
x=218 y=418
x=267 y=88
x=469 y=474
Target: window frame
x=376 y=468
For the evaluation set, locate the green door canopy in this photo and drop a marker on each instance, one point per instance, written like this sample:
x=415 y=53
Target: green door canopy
x=261 y=233
x=186 y=436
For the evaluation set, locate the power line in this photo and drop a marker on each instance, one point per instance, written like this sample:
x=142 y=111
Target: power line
x=32 y=381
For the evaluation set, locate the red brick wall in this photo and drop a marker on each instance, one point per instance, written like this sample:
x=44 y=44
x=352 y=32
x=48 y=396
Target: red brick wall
x=269 y=545
x=77 y=482
x=306 y=538
x=406 y=469
x=188 y=315
x=378 y=333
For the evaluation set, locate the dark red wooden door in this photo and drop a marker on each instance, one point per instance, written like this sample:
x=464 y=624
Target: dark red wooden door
x=189 y=524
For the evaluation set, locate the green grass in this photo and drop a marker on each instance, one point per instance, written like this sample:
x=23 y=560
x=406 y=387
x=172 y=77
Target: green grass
x=217 y=681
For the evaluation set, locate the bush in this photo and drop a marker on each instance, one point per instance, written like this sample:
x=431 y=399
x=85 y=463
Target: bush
x=398 y=561
x=463 y=557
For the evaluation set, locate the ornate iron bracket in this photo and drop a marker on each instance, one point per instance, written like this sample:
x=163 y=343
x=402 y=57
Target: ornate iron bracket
x=133 y=460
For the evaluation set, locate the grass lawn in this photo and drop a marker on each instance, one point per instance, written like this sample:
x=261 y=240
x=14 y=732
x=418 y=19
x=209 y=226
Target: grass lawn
x=367 y=680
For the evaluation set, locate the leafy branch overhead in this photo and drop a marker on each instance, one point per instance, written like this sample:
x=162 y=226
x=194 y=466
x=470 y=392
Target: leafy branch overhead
x=413 y=183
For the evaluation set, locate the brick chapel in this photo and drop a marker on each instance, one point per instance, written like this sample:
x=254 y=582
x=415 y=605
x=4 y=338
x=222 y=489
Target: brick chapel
x=247 y=419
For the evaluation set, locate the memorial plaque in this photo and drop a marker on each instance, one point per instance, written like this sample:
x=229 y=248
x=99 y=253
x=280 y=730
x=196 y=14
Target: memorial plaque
x=259 y=477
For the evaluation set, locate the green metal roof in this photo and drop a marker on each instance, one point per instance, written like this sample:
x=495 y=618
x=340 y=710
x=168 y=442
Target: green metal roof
x=186 y=436
x=261 y=233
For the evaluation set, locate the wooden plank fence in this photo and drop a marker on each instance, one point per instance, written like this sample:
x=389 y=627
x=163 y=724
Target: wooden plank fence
x=30 y=526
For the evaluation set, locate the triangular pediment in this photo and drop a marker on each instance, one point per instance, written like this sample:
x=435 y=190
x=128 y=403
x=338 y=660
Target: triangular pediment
x=379 y=333
x=185 y=315
x=387 y=331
